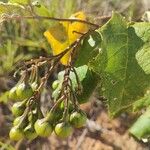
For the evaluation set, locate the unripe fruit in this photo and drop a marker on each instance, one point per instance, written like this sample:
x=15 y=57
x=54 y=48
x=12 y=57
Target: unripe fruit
x=24 y=91
x=12 y=93
x=29 y=132
x=78 y=119
x=18 y=109
x=55 y=84
x=16 y=134
x=43 y=128
x=17 y=121
x=63 y=129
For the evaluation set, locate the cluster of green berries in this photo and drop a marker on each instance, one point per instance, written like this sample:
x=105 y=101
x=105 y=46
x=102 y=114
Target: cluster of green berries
x=22 y=91
x=29 y=122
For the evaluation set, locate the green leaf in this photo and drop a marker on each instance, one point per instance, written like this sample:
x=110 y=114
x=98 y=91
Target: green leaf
x=89 y=83
x=143 y=102
x=140 y=128
x=88 y=49
x=87 y=78
x=143 y=55
x=22 y=2
x=123 y=80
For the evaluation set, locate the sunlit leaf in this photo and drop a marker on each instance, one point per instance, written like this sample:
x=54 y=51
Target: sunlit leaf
x=123 y=80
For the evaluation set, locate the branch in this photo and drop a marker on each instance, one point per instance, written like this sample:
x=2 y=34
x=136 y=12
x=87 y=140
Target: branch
x=16 y=17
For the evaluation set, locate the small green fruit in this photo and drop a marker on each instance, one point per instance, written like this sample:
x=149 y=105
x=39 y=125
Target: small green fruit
x=16 y=134
x=63 y=129
x=17 y=121
x=13 y=94
x=43 y=128
x=18 y=109
x=29 y=132
x=78 y=119
x=24 y=91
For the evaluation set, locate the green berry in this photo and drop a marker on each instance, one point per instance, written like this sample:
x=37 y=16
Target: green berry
x=13 y=94
x=63 y=129
x=17 y=121
x=29 y=132
x=16 y=134
x=24 y=91
x=43 y=128
x=18 y=109
x=78 y=119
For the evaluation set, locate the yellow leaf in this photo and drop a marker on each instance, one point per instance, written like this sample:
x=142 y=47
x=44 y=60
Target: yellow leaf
x=58 y=39
x=62 y=35
x=77 y=27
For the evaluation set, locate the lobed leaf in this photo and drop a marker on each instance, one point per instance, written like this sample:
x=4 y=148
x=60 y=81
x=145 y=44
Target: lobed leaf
x=123 y=80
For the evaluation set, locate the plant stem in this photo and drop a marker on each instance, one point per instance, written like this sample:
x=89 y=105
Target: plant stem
x=17 y=17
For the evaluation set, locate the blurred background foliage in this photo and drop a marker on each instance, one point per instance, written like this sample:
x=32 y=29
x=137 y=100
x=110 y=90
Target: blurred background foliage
x=21 y=40
x=24 y=39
